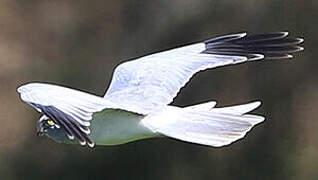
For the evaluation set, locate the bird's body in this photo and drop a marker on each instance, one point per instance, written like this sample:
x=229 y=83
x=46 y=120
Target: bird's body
x=112 y=127
x=137 y=103
x=115 y=126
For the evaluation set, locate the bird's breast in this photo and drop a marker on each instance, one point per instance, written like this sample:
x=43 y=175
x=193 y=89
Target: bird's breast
x=113 y=127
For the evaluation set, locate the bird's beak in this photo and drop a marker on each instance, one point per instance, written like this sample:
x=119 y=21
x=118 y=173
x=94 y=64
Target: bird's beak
x=40 y=132
x=40 y=129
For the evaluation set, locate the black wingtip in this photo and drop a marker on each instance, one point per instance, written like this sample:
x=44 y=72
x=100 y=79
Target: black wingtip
x=268 y=46
x=226 y=38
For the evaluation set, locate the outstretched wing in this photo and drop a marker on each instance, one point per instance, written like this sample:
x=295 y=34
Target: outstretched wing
x=154 y=80
x=70 y=109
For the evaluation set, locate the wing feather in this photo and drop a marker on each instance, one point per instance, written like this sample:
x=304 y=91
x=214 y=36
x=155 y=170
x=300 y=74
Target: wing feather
x=70 y=109
x=144 y=84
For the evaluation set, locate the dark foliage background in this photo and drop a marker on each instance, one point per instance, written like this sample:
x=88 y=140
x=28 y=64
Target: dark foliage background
x=78 y=43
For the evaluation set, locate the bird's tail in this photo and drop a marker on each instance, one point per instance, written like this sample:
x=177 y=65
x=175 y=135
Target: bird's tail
x=204 y=124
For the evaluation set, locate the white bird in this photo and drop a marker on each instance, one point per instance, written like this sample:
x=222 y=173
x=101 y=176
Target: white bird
x=136 y=105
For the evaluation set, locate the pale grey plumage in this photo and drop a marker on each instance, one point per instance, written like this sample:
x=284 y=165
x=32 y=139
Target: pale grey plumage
x=145 y=87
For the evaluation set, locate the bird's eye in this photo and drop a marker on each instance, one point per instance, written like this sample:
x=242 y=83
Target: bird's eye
x=50 y=122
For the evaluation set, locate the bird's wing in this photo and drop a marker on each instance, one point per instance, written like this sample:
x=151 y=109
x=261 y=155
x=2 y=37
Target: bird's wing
x=152 y=81
x=70 y=109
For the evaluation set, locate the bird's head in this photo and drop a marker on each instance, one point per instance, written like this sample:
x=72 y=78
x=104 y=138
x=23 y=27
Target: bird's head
x=46 y=126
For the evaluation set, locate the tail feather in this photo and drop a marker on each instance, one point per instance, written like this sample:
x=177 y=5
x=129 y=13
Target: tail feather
x=239 y=109
x=203 y=106
x=213 y=128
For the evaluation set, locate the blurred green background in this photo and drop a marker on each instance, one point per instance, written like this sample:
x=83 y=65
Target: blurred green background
x=78 y=43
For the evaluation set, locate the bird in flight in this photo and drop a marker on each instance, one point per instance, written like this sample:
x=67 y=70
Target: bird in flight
x=137 y=103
